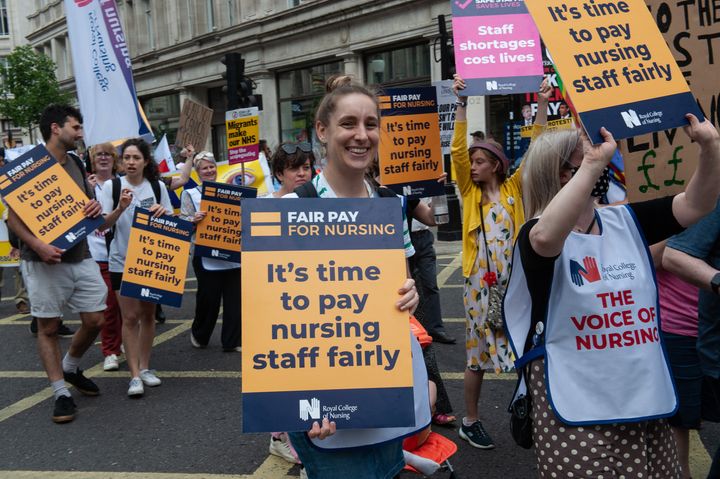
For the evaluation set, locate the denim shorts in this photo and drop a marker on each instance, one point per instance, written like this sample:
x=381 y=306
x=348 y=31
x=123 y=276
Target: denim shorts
x=383 y=461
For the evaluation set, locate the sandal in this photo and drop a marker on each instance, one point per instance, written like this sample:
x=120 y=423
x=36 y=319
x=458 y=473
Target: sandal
x=443 y=419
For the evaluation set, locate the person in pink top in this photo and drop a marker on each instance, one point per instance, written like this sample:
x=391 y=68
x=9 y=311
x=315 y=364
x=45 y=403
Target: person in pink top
x=679 y=326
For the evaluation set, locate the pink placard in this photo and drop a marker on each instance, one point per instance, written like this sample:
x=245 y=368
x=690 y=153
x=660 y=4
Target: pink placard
x=496 y=46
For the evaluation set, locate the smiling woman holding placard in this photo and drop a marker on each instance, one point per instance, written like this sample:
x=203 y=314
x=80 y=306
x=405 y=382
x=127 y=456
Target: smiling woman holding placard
x=218 y=280
x=348 y=124
x=137 y=189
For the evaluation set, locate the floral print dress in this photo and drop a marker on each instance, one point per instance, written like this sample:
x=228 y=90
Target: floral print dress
x=486 y=348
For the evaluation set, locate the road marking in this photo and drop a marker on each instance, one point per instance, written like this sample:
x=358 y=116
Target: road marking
x=272 y=467
x=447 y=375
x=11 y=319
x=448 y=270
x=700 y=460
x=46 y=393
x=448 y=255
x=453 y=320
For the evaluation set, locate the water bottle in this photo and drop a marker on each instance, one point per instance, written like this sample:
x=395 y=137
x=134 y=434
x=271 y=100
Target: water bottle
x=440 y=210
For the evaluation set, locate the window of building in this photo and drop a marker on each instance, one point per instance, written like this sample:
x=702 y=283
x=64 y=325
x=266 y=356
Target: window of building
x=403 y=66
x=299 y=93
x=294 y=3
x=210 y=15
x=149 y=24
x=163 y=113
x=231 y=12
x=4 y=20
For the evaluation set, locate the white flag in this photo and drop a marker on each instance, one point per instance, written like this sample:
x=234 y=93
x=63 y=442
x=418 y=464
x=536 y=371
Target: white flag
x=103 y=72
x=163 y=157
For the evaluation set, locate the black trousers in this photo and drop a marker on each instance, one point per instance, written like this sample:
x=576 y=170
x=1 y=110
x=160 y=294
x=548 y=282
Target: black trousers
x=212 y=288
x=423 y=267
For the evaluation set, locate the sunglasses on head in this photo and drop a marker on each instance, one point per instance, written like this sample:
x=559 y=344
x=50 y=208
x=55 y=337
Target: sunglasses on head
x=291 y=148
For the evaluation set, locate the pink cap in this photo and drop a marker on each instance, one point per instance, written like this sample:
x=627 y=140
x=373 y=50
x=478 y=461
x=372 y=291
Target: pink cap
x=504 y=162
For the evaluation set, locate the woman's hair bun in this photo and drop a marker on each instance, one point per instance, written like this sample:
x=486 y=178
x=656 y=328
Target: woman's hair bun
x=337 y=81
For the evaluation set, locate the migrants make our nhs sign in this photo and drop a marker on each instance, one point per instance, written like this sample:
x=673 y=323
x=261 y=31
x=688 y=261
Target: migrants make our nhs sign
x=103 y=72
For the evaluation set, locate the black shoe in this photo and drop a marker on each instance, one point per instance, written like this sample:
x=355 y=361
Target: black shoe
x=159 y=314
x=442 y=337
x=64 y=410
x=81 y=383
x=476 y=435
x=63 y=331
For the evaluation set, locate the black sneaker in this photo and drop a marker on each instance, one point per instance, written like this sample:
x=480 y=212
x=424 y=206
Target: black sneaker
x=64 y=332
x=64 y=409
x=476 y=435
x=81 y=383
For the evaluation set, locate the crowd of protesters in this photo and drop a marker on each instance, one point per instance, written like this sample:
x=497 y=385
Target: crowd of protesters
x=539 y=237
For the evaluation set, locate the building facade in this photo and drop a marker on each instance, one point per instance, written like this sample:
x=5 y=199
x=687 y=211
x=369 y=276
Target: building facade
x=290 y=47
x=13 y=21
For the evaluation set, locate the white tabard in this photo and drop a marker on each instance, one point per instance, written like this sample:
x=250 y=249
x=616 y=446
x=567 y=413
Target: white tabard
x=604 y=361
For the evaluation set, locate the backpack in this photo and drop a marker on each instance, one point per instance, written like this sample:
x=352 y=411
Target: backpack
x=116 y=183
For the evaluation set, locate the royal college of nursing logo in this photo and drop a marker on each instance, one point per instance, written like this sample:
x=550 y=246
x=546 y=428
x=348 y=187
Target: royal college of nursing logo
x=309 y=409
x=588 y=271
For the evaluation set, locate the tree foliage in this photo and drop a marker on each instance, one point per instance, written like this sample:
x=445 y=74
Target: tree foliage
x=28 y=86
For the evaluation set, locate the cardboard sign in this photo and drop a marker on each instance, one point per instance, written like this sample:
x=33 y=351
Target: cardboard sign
x=195 y=123
x=497 y=47
x=156 y=262
x=243 y=135
x=561 y=124
x=411 y=158
x=47 y=199
x=218 y=235
x=662 y=163
x=617 y=69
x=325 y=338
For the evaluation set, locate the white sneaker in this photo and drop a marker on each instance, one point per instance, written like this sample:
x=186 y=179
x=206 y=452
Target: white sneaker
x=111 y=363
x=136 y=388
x=195 y=342
x=149 y=378
x=281 y=448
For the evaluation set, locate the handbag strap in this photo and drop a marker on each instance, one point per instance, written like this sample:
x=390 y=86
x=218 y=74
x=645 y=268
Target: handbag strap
x=487 y=247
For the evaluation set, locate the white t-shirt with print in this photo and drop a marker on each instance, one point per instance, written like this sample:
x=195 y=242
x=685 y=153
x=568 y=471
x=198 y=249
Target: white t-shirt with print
x=143 y=197
x=324 y=191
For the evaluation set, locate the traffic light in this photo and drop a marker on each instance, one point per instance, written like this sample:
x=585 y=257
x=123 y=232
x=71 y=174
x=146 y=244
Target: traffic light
x=239 y=88
x=447 y=52
x=247 y=98
x=234 y=72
